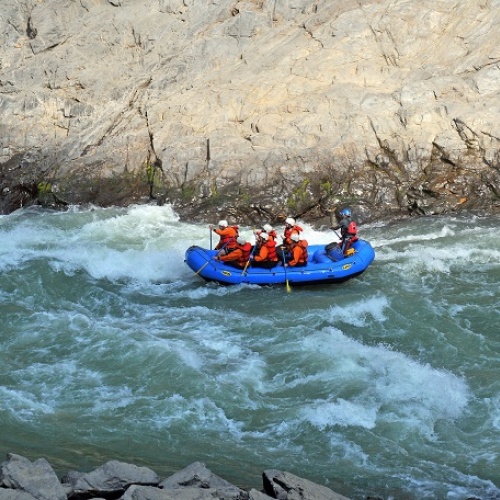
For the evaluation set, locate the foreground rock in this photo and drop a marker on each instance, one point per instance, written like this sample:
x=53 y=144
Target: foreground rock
x=108 y=479
x=251 y=108
x=278 y=484
x=21 y=479
x=30 y=479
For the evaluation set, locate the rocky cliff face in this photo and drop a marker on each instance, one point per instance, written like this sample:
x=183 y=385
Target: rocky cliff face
x=249 y=109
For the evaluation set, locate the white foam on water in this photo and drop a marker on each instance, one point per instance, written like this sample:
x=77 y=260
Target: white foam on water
x=23 y=404
x=389 y=387
x=418 y=259
x=418 y=236
x=360 y=312
x=139 y=243
x=493 y=405
x=343 y=413
x=42 y=389
x=447 y=485
x=197 y=414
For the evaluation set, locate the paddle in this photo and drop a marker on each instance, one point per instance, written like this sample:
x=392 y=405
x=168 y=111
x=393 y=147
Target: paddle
x=202 y=267
x=210 y=229
x=288 y=287
x=249 y=259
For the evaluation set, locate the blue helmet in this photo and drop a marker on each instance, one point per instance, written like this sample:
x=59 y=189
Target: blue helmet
x=345 y=212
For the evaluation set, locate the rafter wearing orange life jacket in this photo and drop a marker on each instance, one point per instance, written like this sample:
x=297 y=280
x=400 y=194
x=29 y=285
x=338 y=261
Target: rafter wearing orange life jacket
x=267 y=256
x=240 y=255
x=299 y=254
x=290 y=228
x=228 y=235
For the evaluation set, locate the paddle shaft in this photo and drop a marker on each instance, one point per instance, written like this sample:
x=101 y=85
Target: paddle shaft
x=288 y=288
x=249 y=259
x=202 y=267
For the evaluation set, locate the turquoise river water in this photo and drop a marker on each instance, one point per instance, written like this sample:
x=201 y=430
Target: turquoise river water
x=387 y=385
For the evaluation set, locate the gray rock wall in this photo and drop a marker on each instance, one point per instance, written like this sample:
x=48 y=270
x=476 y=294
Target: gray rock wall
x=252 y=108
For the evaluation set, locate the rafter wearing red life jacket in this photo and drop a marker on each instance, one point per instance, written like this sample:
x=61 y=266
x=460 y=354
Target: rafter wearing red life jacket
x=349 y=237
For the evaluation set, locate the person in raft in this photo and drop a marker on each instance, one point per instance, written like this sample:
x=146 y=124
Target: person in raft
x=298 y=251
x=266 y=255
x=227 y=237
x=290 y=228
x=267 y=228
x=239 y=256
x=348 y=231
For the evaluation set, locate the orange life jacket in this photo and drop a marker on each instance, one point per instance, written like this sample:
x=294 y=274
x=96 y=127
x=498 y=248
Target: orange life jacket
x=271 y=248
x=299 y=253
x=267 y=252
x=228 y=237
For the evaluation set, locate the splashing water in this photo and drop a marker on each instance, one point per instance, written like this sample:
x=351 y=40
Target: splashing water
x=112 y=348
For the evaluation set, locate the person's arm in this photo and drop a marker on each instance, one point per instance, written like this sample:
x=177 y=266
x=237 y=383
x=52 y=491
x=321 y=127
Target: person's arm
x=234 y=255
x=223 y=232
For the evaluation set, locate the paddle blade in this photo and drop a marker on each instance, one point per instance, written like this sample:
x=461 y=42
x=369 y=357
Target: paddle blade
x=288 y=287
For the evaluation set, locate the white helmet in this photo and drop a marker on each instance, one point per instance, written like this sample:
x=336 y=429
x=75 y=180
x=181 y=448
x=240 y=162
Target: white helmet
x=240 y=240
x=295 y=237
x=223 y=223
x=264 y=236
x=267 y=228
x=290 y=221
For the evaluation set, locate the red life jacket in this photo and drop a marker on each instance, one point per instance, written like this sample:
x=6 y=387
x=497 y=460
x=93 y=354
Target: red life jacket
x=246 y=250
x=350 y=237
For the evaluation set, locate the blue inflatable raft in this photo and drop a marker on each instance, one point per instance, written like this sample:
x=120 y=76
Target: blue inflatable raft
x=321 y=268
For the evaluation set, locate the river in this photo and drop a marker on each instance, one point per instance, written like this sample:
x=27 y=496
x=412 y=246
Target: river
x=386 y=385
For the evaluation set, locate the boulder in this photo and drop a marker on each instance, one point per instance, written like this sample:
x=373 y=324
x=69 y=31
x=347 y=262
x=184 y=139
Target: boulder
x=14 y=495
x=112 y=477
x=188 y=493
x=36 y=479
x=197 y=475
x=254 y=494
x=286 y=486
